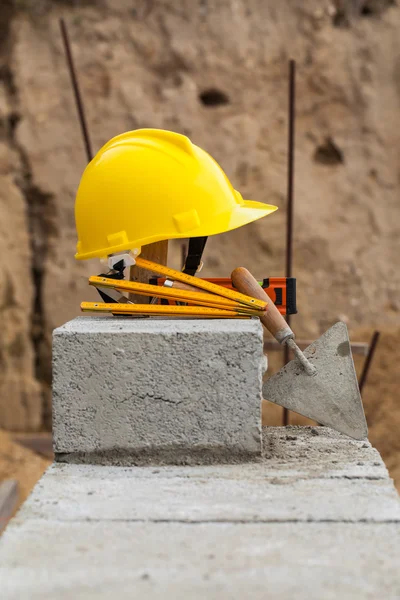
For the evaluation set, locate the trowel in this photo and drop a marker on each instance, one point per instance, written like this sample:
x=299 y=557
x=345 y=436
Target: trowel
x=320 y=383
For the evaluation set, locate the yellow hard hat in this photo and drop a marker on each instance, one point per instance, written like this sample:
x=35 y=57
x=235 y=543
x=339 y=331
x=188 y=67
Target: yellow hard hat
x=149 y=185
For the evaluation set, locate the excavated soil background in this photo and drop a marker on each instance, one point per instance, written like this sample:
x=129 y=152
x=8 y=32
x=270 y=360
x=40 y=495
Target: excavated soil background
x=21 y=465
x=216 y=71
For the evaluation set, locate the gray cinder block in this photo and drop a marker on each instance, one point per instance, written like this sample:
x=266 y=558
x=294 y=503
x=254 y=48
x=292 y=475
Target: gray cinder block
x=131 y=391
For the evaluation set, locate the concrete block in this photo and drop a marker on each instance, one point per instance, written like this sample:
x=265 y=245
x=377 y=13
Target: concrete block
x=274 y=528
x=131 y=391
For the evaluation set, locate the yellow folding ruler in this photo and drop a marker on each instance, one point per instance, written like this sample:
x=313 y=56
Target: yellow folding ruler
x=213 y=301
x=160 y=310
x=213 y=288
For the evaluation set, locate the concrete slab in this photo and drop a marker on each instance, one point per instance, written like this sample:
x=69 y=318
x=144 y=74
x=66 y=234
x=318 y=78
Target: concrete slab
x=230 y=493
x=304 y=531
x=47 y=559
x=171 y=391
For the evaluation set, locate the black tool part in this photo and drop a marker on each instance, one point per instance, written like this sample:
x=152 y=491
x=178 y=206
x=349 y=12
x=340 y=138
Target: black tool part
x=118 y=274
x=195 y=252
x=278 y=297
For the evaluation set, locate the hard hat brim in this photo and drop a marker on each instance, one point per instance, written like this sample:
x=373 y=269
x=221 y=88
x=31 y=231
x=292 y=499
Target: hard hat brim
x=246 y=212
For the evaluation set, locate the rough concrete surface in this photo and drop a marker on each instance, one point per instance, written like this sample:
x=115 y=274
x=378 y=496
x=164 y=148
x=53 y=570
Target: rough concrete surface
x=137 y=390
x=44 y=560
x=233 y=493
x=319 y=452
x=257 y=530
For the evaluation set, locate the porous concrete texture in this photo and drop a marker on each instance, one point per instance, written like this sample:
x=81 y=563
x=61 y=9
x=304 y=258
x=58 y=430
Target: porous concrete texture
x=131 y=391
x=317 y=517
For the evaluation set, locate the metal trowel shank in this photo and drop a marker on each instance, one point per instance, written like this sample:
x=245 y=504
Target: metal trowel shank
x=331 y=396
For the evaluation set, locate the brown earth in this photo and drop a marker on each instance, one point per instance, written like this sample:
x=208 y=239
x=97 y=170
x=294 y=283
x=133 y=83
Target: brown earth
x=216 y=71
x=20 y=464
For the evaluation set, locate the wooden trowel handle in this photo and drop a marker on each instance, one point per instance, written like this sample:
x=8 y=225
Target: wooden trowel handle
x=244 y=282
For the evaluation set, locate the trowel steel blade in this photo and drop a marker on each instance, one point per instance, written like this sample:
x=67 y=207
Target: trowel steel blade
x=331 y=397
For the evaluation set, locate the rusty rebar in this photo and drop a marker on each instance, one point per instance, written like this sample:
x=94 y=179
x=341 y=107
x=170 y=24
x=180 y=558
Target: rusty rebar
x=75 y=85
x=368 y=360
x=290 y=196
